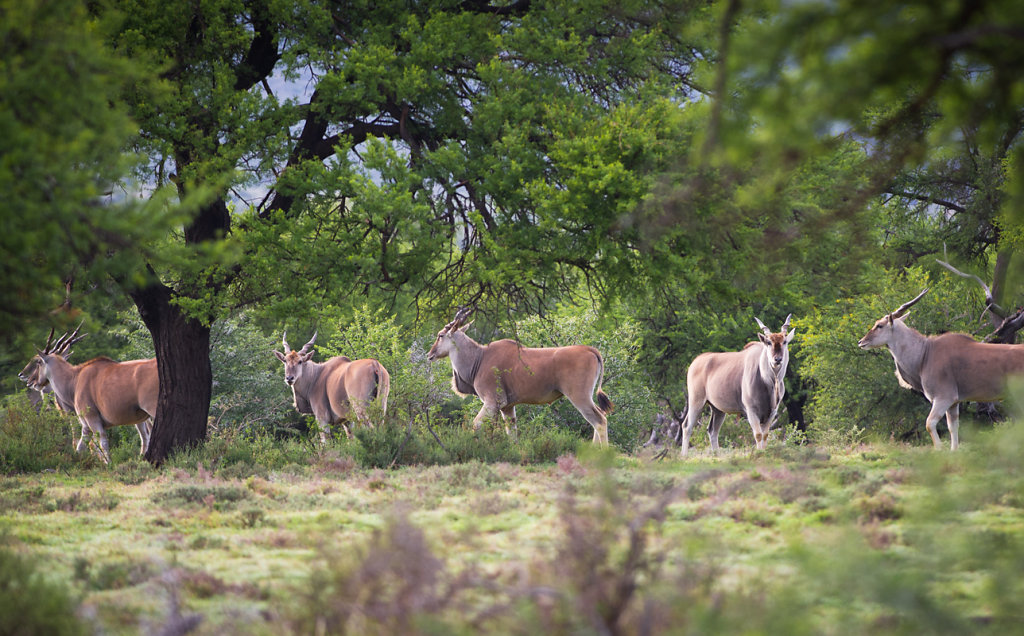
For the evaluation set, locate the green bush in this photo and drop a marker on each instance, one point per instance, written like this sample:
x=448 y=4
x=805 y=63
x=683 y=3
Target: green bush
x=31 y=441
x=30 y=603
x=853 y=389
x=395 y=444
x=234 y=453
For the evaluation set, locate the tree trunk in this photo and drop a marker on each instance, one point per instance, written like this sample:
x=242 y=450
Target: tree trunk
x=183 y=363
x=999 y=284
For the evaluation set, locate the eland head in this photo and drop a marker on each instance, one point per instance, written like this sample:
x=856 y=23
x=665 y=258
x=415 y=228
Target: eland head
x=294 y=361
x=881 y=333
x=445 y=341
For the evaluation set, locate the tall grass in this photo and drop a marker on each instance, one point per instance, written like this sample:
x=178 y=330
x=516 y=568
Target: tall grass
x=32 y=441
x=882 y=565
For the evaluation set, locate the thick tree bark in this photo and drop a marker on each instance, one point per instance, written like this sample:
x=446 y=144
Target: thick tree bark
x=182 y=348
x=183 y=363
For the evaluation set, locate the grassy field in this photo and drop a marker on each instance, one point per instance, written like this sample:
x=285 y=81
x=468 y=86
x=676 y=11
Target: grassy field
x=876 y=538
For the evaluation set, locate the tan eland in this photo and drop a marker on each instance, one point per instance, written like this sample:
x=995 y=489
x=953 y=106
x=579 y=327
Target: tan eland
x=505 y=373
x=101 y=392
x=748 y=382
x=948 y=369
x=333 y=390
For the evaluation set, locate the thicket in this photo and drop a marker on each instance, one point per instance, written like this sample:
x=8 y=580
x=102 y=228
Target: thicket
x=34 y=440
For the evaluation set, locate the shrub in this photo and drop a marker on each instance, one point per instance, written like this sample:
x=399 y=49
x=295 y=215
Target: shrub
x=394 y=444
x=391 y=585
x=31 y=441
x=216 y=496
x=32 y=604
x=234 y=453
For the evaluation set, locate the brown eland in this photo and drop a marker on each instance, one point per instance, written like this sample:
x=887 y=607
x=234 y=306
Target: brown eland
x=948 y=369
x=504 y=373
x=748 y=382
x=332 y=391
x=101 y=392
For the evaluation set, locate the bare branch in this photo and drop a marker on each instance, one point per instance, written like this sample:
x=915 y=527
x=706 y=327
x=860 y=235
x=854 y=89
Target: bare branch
x=990 y=303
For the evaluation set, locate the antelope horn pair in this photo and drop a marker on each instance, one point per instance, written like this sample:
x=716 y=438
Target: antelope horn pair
x=767 y=331
x=460 y=318
x=305 y=347
x=64 y=343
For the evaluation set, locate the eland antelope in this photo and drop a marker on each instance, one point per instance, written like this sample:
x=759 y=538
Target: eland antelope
x=101 y=392
x=948 y=369
x=505 y=373
x=330 y=390
x=748 y=382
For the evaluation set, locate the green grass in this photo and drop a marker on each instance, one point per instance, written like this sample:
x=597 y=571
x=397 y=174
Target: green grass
x=877 y=538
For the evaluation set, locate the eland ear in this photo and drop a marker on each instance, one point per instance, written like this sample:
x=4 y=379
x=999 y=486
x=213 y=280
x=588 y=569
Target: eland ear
x=763 y=338
x=280 y=356
x=789 y=336
x=306 y=356
x=464 y=327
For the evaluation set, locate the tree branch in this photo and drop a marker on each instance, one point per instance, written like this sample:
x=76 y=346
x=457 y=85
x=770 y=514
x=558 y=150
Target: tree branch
x=990 y=303
x=481 y=6
x=928 y=199
x=262 y=55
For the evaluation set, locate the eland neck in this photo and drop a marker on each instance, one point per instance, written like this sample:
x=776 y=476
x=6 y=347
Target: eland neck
x=907 y=345
x=311 y=372
x=62 y=376
x=908 y=348
x=465 y=355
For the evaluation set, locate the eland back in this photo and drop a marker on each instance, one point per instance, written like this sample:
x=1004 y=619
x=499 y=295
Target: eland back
x=948 y=368
x=505 y=373
x=748 y=382
x=334 y=390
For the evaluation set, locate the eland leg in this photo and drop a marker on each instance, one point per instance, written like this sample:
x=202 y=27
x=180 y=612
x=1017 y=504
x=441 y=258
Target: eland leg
x=83 y=440
x=595 y=416
x=953 y=421
x=95 y=424
x=325 y=431
x=359 y=408
x=488 y=411
x=714 y=426
x=939 y=408
x=145 y=429
x=760 y=432
x=509 y=414
x=693 y=408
